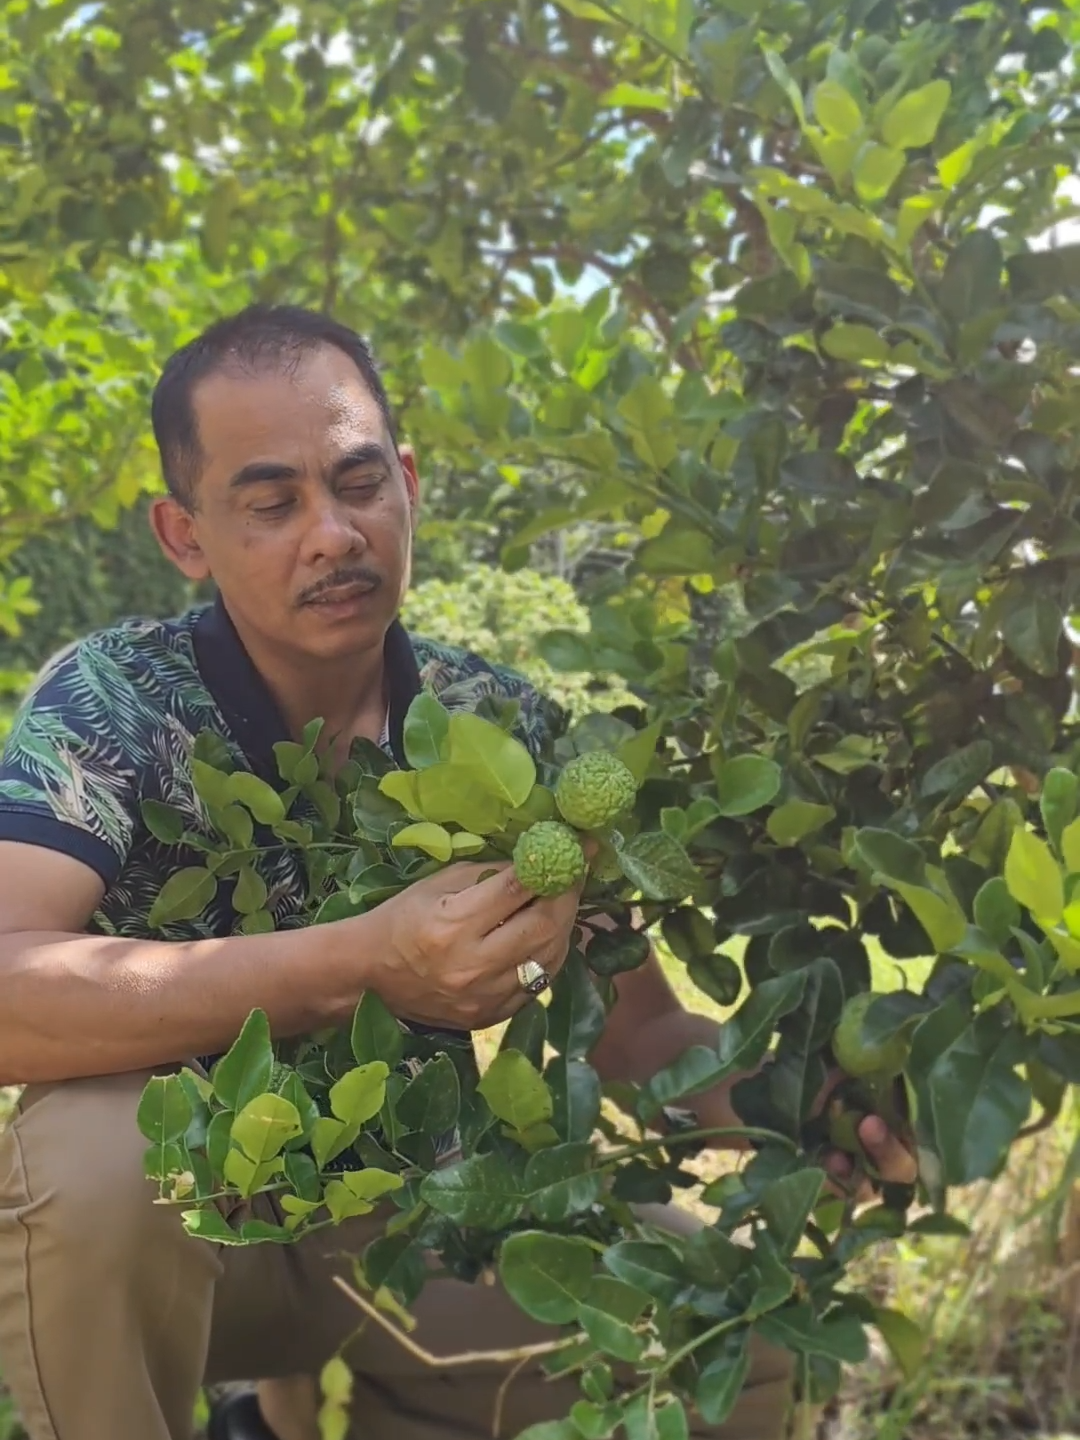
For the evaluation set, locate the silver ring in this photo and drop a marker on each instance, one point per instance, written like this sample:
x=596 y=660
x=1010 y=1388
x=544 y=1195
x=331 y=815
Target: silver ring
x=532 y=977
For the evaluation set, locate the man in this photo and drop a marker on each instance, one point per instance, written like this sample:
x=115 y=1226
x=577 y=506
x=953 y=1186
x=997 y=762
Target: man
x=288 y=489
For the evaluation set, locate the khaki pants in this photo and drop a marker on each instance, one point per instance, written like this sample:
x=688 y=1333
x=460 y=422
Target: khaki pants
x=111 y=1317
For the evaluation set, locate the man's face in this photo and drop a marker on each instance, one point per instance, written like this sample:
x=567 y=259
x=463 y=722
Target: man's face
x=303 y=511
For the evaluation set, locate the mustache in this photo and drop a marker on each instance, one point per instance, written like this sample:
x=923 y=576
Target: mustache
x=354 y=575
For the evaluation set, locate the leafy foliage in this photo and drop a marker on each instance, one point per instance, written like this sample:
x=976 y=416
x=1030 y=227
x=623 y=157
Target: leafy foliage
x=748 y=295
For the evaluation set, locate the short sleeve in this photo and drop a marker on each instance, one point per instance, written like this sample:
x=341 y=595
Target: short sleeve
x=68 y=774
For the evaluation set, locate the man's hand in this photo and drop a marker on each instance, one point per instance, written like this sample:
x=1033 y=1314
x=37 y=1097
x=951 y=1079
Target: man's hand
x=885 y=1151
x=891 y=1158
x=454 y=942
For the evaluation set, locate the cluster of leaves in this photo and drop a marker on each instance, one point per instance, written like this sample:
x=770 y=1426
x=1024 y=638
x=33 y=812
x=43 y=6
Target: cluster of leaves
x=813 y=354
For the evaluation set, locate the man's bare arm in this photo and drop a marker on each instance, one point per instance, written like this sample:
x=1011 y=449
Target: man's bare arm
x=443 y=952
x=78 y=1004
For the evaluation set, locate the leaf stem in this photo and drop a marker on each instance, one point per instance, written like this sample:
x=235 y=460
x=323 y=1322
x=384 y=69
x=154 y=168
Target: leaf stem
x=659 y=1142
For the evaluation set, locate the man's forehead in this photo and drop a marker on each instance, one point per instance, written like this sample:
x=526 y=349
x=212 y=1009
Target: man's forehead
x=321 y=391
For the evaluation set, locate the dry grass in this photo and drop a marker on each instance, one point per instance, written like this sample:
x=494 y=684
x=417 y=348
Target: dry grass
x=1003 y=1357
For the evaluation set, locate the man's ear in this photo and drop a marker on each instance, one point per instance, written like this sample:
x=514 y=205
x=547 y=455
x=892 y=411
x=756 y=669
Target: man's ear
x=174 y=529
x=412 y=479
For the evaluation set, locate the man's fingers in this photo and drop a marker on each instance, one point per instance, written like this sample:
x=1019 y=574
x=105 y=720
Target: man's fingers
x=491 y=901
x=893 y=1160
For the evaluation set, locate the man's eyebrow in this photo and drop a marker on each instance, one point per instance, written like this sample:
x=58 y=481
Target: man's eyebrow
x=260 y=471
x=369 y=452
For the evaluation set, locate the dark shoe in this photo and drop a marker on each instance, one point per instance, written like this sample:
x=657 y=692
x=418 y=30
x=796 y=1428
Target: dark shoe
x=237 y=1416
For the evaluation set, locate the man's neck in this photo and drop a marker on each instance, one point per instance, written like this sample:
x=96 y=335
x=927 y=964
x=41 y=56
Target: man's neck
x=349 y=694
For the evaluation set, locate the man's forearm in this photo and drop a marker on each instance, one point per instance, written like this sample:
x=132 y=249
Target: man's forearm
x=93 y=1005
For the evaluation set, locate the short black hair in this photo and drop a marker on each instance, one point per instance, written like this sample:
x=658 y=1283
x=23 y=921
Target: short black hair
x=256 y=338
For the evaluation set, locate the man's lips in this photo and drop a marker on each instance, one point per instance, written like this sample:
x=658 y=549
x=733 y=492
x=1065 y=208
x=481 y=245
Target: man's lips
x=343 y=596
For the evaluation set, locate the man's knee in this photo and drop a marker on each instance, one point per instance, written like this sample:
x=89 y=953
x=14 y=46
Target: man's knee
x=71 y=1161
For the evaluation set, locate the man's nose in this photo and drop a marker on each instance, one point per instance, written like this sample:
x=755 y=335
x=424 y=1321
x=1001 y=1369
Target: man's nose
x=332 y=531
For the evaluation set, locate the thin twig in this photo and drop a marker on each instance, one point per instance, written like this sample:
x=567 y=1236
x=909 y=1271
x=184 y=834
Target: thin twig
x=521 y=1353
x=501 y=1393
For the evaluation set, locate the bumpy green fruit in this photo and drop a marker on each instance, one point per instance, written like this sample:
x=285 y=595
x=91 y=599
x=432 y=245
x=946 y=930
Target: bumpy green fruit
x=858 y=1058
x=548 y=858
x=593 y=789
x=278 y=1075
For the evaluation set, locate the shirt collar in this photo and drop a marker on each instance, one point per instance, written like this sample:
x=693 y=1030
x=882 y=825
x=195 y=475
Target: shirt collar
x=250 y=710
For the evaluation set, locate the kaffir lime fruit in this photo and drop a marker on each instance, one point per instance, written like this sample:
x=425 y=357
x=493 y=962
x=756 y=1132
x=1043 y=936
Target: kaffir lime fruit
x=862 y=1058
x=548 y=858
x=594 y=789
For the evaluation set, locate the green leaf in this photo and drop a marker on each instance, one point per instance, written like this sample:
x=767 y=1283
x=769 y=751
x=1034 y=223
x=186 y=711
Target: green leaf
x=1034 y=877
x=247 y=1176
x=795 y=819
x=487 y=365
x=995 y=911
x=427 y=728
x=939 y=915
x=978 y=1100
x=746 y=783
x=250 y=892
x=329 y=1138
x=576 y=1014
x=575 y=1093
x=376 y=1034
x=610 y=1335
x=1058 y=802
x=164 y=1112
x=211 y=784
x=905 y=1340
x=432 y=839
x=482 y=1191
x=696 y=1069
x=209 y=1224
x=971 y=282
x=1070 y=847
x=256 y=795
x=721 y=1382
x=500 y=764
x=264 y=1126
x=431 y=1101
x=357 y=1192
x=787 y=1205
x=515 y=1091
x=648 y=1266
x=562 y=1181
x=547 y=1275
x=658 y=866
x=745 y=1038
x=913 y=121
x=638 y=750
x=244 y=1070
x=884 y=853
x=634 y=97
x=559 y=1429
x=1031 y=628
x=184 y=896
x=454 y=794
x=857 y=343
x=717 y=976
x=359 y=1095
x=836 y=109
x=797 y=1328
x=403 y=788
x=165 y=822
x=876 y=170
x=648 y=411
x=958 y=774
